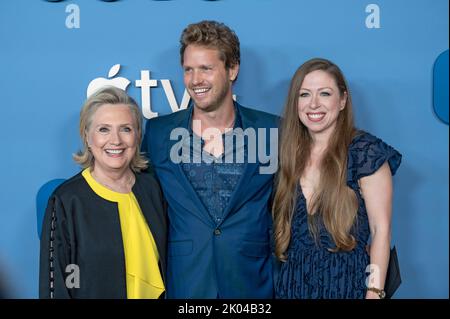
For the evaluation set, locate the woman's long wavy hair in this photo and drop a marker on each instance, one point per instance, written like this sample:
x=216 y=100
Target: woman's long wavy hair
x=333 y=204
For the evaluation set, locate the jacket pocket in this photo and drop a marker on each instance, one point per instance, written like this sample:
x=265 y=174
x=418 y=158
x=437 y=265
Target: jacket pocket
x=180 y=248
x=255 y=249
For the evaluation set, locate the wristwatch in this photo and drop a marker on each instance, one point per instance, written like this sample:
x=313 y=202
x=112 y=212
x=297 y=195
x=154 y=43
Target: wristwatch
x=380 y=292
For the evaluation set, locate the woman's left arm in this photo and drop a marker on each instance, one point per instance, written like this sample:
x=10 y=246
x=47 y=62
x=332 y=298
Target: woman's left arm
x=377 y=193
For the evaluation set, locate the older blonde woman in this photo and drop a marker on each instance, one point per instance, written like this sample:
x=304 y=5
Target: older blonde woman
x=104 y=230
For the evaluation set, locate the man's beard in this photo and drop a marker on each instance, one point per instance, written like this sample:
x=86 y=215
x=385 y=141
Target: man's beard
x=215 y=104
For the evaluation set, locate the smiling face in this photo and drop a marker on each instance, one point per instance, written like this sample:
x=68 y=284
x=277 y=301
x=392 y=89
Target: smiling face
x=206 y=78
x=112 y=137
x=320 y=102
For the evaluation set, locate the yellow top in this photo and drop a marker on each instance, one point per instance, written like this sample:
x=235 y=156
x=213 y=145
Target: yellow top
x=143 y=277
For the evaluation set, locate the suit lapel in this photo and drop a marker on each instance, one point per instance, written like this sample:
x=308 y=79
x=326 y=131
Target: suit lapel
x=249 y=168
x=194 y=204
x=240 y=189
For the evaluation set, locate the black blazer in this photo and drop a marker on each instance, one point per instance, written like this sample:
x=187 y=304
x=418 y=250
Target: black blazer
x=83 y=229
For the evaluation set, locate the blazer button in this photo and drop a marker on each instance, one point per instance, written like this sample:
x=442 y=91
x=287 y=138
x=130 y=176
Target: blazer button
x=217 y=232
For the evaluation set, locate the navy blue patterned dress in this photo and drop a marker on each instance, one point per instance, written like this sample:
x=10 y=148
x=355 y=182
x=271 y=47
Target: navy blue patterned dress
x=311 y=270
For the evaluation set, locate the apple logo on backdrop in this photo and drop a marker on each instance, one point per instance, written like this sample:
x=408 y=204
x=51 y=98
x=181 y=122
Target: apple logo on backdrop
x=120 y=82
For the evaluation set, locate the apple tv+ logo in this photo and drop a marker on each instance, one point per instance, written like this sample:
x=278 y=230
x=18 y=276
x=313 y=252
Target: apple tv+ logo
x=145 y=83
x=120 y=82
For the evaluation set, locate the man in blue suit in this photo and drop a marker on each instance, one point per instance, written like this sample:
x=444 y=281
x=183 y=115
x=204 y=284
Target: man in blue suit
x=211 y=161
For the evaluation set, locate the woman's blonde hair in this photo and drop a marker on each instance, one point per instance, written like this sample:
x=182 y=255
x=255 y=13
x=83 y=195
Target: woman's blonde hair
x=108 y=95
x=333 y=204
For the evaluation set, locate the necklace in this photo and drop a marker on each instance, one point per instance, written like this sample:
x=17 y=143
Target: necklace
x=231 y=124
x=116 y=187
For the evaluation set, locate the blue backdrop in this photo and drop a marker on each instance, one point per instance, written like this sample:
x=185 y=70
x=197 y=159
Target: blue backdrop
x=387 y=49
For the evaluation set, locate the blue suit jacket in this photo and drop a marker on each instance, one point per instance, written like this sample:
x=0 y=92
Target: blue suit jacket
x=233 y=259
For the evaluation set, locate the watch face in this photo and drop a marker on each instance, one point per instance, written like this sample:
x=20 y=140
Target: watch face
x=382 y=294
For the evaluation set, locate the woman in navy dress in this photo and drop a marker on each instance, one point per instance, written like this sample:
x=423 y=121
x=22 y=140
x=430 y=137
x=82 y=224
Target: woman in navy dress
x=334 y=192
